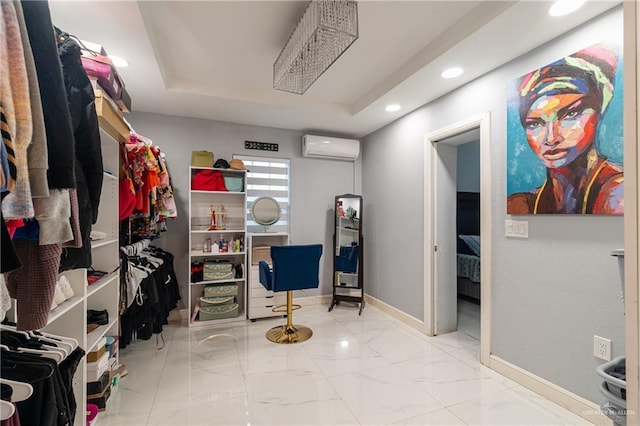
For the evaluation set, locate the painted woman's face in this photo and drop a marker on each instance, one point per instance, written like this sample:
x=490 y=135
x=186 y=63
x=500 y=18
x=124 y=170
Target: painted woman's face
x=561 y=127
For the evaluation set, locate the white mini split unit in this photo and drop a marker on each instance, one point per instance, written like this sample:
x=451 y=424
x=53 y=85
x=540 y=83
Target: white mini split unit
x=330 y=148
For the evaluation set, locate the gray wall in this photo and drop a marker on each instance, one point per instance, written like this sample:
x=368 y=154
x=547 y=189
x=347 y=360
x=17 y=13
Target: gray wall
x=314 y=182
x=550 y=293
x=468 y=177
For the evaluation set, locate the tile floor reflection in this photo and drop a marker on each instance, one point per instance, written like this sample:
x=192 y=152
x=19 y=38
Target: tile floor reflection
x=367 y=370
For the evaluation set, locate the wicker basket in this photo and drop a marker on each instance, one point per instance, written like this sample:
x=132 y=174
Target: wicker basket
x=260 y=253
x=208 y=313
x=218 y=271
x=221 y=290
x=217 y=300
x=234 y=183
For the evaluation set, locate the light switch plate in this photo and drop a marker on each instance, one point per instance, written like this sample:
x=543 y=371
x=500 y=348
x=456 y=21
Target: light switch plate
x=516 y=228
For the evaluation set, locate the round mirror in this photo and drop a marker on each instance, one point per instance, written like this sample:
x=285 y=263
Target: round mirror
x=265 y=211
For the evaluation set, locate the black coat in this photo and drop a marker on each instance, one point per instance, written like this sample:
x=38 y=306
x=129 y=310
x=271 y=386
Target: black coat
x=88 y=151
x=57 y=121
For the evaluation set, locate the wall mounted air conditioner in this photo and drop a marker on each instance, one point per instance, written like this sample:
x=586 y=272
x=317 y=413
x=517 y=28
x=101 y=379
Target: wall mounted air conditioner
x=331 y=148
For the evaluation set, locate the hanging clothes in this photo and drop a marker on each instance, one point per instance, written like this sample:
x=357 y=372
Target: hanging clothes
x=37 y=155
x=33 y=285
x=57 y=120
x=88 y=151
x=149 y=291
x=154 y=203
x=53 y=400
x=17 y=105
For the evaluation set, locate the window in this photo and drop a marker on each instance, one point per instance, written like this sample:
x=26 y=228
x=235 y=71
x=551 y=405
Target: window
x=267 y=177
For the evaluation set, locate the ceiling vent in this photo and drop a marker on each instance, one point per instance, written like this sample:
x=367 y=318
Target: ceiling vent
x=330 y=148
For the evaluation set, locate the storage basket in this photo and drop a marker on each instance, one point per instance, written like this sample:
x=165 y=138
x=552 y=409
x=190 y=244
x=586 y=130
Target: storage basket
x=217 y=300
x=202 y=158
x=234 y=183
x=208 y=313
x=218 y=271
x=260 y=253
x=221 y=290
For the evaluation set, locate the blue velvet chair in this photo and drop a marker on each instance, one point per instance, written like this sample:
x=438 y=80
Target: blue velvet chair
x=295 y=267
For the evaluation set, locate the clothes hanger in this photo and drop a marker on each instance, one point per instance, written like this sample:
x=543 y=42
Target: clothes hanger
x=13 y=328
x=37 y=333
x=21 y=390
x=7 y=410
x=23 y=340
x=51 y=354
x=66 y=346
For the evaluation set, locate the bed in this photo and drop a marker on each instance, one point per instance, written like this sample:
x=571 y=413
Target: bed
x=468 y=247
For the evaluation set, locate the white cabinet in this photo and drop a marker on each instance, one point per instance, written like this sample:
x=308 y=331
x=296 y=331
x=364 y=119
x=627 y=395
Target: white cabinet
x=261 y=301
x=70 y=317
x=217 y=217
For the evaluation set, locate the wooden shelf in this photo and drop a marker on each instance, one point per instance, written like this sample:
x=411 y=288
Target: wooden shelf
x=232 y=280
x=101 y=283
x=64 y=307
x=110 y=117
x=199 y=191
x=109 y=176
x=220 y=231
x=198 y=323
x=218 y=169
x=349 y=229
x=94 y=337
x=100 y=243
x=202 y=254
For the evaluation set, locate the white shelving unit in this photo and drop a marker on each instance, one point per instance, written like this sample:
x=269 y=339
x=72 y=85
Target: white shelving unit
x=260 y=300
x=201 y=204
x=70 y=317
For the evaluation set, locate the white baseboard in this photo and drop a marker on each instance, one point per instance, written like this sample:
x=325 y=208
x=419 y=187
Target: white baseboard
x=403 y=317
x=554 y=393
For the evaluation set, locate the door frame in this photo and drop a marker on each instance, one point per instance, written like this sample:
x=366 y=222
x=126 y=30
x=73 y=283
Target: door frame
x=631 y=123
x=483 y=122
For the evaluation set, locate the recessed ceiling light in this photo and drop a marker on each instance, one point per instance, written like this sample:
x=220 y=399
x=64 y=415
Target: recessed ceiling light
x=565 y=7
x=118 y=61
x=452 y=72
x=326 y=141
x=392 y=108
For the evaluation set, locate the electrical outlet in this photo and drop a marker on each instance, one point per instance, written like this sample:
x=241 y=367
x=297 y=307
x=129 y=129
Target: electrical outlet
x=602 y=348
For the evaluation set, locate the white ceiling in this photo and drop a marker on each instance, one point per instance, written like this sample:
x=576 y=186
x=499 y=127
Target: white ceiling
x=214 y=60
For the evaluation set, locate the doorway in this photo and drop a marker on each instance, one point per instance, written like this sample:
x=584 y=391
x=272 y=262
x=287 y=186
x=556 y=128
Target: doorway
x=454 y=209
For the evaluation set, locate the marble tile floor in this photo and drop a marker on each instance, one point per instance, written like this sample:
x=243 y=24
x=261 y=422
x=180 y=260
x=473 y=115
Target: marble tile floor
x=469 y=317
x=355 y=370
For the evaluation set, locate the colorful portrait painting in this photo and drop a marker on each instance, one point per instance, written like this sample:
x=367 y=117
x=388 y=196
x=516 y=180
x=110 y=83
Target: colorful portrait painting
x=564 y=136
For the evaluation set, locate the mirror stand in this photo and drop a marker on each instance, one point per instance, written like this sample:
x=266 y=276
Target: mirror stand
x=347 y=251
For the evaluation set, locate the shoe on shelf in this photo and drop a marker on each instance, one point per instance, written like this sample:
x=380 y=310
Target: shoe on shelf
x=98 y=317
x=65 y=285
x=97 y=235
x=58 y=296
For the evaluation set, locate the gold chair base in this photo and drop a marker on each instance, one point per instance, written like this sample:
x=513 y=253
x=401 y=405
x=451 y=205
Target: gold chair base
x=289 y=334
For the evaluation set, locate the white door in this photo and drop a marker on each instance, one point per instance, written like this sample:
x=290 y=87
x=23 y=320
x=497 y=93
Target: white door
x=446 y=316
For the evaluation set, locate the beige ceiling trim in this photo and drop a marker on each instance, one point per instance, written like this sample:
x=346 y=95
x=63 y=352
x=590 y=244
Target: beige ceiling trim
x=467 y=25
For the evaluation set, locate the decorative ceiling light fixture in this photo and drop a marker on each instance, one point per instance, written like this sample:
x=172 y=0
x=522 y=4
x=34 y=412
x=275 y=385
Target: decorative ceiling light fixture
x=325 y=31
